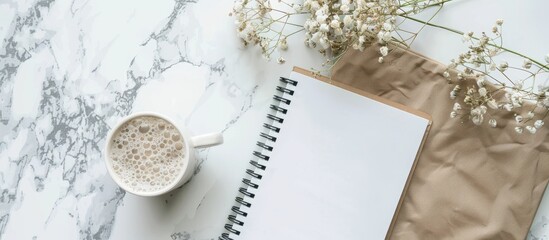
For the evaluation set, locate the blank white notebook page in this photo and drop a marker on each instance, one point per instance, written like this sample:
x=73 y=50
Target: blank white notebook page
x=337 y=170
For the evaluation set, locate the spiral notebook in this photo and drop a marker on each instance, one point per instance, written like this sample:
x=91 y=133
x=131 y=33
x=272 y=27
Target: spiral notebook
x=332 y=162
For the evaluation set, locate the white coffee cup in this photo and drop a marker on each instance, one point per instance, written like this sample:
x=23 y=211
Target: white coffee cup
x=189 y=159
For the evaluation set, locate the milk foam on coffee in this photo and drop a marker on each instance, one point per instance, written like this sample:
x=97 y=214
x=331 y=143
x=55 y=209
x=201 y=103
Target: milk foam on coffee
x=147 y=153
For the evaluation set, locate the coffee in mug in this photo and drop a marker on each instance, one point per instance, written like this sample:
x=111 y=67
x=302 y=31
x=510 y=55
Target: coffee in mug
x=147 y=155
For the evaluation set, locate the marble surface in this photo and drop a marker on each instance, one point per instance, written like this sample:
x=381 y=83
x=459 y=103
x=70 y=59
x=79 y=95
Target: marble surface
x=70 y=69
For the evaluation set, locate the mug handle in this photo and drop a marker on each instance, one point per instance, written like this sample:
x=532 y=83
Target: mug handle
x=207 y=140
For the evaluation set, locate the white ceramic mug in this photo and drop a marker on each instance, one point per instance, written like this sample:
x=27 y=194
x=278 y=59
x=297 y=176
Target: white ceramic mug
x=189 y=159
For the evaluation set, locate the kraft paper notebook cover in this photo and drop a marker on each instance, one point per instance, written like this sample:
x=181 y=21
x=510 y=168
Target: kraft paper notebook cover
x=331 y=163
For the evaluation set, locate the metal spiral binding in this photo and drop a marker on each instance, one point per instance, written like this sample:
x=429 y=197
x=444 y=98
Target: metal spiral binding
x=264 y=144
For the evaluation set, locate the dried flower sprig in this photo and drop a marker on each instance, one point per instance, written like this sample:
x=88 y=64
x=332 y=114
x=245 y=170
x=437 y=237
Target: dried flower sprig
x=333 y=26
x=511 y=87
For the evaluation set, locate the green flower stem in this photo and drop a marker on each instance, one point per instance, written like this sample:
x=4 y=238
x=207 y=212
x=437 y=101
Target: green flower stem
x=491 y=44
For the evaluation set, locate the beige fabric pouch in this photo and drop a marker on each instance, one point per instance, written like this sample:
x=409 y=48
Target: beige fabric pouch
x=470 y=182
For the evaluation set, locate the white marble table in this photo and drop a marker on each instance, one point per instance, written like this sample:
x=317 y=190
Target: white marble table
x=70 y=69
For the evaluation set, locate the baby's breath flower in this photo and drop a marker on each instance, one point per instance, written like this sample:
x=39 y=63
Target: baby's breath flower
x=324 y=42
x=324 y=28
x=380 y=60
x=283 y=44
x=477 y=119
x=538 y=124
x=518 y=118
x=384 y=51
x=503 y=66
x=453 y=95
x=477 y=115
x=334 y=23
x=531 y=129
x=527 y=64
x=457 y=107
x=388 y=27
x=332 y=27
x=446 y=74
x=482 y=92
x=481 y=82
x=518 y=130
x=492 y=67
x=493 y=123
x=344 y=8
x=297 y=7
x=492 y=104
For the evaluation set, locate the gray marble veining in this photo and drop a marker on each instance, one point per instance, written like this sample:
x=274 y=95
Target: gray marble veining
x=70 y=69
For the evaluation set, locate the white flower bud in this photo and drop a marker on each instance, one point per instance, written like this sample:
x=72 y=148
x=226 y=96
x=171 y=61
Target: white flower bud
x=387 y=27
x=499 y=22
x=483 y=109
x=527 y=64
x=531 y=129
x=518 y=118
x=324 y=28
x=334 y=24
x=530 y=115
x=344 y=8
x=361 y=40
x=457 y=107
x=348 y=21
x=324 y=43
x=297 y=7
x=518 y=130
x=492 y=104
x=316 y=37
x=321 y=17
x=283 y=45
x=380 y=60
x=446 y=74
x=482 y=92
x=477 y=119
x=384 y=51
x=508 y=107
x=453 y=95
x=315 y=5
x=538 y=124
x=480 y=82
x=453 y=114
x=503 y=66
x=493 y=123
x=281 y=60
